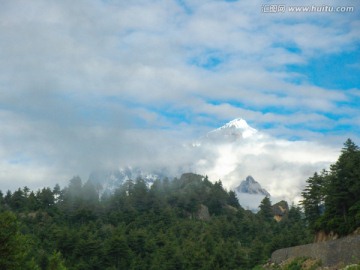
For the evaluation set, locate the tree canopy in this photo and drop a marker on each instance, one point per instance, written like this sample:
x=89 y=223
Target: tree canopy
x=331 y=198
x=184 y=223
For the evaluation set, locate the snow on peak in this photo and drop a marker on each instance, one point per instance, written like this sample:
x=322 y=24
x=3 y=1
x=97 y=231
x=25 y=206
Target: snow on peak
x=241 y=125
x=237 y=123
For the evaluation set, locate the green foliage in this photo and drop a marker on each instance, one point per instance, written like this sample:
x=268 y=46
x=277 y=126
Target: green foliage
x=295 y=264
x=266 y=212
x=143 y=228
x=14 y=246
x=331 y=200
x=314 y=198
x=56 y=262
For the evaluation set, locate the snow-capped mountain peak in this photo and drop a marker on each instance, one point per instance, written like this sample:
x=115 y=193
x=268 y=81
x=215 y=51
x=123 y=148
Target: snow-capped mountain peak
x=240 y=124
x=235 y=129
x=236 y=123
x=250 y=194
x=250 y=186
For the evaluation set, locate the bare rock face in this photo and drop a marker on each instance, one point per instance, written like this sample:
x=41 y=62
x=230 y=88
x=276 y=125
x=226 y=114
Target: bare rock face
x=280 y=210
x=345 y=250
x=322 y=236
x=203 y=213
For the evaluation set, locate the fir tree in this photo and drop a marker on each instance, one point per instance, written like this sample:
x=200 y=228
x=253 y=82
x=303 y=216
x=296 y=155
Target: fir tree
x=266 y=212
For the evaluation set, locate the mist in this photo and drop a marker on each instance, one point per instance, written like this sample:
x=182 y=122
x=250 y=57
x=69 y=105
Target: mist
x=99 y=85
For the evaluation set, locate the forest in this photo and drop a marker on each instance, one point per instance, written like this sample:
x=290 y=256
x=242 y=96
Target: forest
x=181 y=223
x=331 y=198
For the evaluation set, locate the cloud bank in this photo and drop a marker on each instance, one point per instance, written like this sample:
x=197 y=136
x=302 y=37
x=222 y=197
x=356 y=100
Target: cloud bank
x=280 y=166
x=95 y=84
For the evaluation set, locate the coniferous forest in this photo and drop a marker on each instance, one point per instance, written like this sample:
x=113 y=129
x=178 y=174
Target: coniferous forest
x=182 y=223
x=331 y=198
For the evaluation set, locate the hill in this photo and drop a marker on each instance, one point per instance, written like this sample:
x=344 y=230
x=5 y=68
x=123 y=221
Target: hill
x=183 y=223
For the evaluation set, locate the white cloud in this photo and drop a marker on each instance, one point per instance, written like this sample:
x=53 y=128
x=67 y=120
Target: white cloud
x=280 y=166
x=79 y=79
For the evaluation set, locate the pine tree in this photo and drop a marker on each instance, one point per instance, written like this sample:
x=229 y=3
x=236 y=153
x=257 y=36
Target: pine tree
x=57 y=193
x=331 y=201
x=72 y=195
x=314 y=198
x=266 y=212
x=343 y=190
x=2 y=203
x=46 y=198
x=13 y=245
x=18 y=200
x=233 y=200
x=56 y=262
x=139 y=195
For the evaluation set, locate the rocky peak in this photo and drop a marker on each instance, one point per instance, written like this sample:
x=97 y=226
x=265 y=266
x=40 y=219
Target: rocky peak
x=250 y=186
x=280 y=210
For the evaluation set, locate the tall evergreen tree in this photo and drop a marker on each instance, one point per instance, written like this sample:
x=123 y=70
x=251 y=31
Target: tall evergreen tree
x=56 y=262
x=331 y=201
x=233 y=200
x=343 y=190
x=265 y=211
x=1 y=201
x=314 y=198
x=18 y=200
x=46 y=198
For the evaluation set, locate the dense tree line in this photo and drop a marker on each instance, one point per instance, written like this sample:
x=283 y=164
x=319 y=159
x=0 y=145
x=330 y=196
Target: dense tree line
x=184 y=223
x=331 y=198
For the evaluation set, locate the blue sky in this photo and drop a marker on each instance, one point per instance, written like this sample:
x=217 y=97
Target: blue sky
x=334 y=71
x=79 y=78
